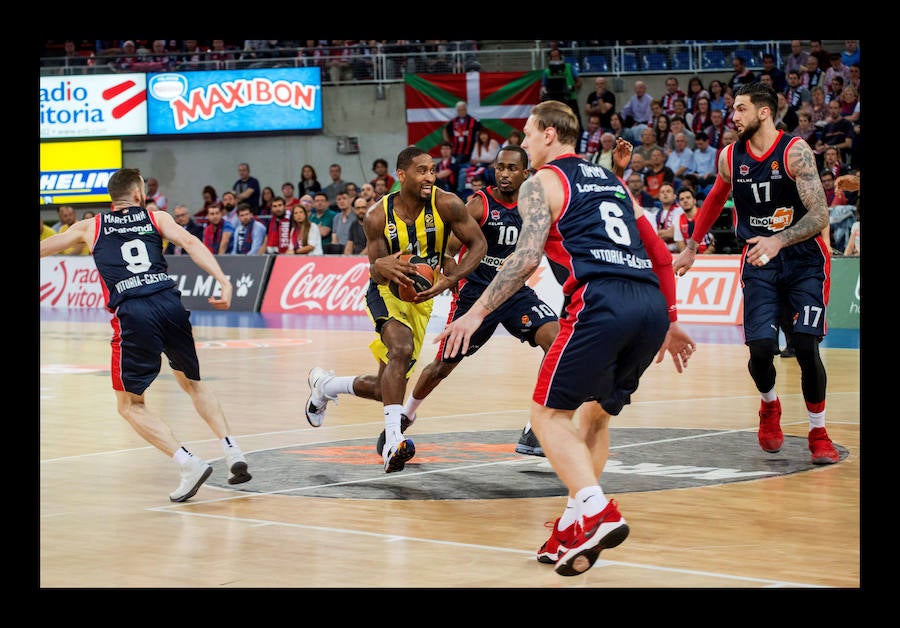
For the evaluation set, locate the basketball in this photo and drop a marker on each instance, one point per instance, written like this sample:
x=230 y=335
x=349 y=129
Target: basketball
x=423 y=279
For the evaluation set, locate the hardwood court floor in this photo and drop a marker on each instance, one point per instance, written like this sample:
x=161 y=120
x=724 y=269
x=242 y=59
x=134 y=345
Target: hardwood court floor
x=106 y=520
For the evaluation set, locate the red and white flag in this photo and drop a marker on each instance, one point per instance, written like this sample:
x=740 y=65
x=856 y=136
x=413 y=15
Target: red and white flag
x=501 y=101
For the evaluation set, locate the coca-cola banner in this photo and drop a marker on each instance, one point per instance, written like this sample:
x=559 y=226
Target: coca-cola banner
x=328 y=284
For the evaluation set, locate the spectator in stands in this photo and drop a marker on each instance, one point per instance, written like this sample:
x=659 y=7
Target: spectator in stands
x=67 y=218
x=604 y=157
x=673 y=91
x=381 y=188
x=854 y=77
x=265 y=201
x=191 y=57
x=717 y=94
x=816 y=50
x=832 y=162
x=221 y=55
x=461 y=132
x=617 y=126
x=305 y=237
x=796 y=60
x=279 y=230
x=668 y=217
x=588 y=143
x=367 y=193
x=806 y=129
x=127 y=58
x=657 y=173
x=247 y=188
x=687 y=201
x=478 y=183
x=481 y=161
x=380 y=168
x=153 y=194
x=837 y=68
x=514 y=138
x=850 y=53
x=210 y=199
x=838 y=131
x=159 y=59
x=322 y=215
x=798 y=97
x=229 y=207
x=636 y=114
x=217 y=232
x=600 y=102
x=445 y=169
x=834 y=89
x=812 y=75
x=852 y=248
x=352 y=191
x=287 y=193
x=678 y=126
x=636 y=184
x=784 y=114
x=561 y=82
x=681 y=160
x=702 y=115
x=742 y=74
x=356 y=240
x=309 y=181
x=850 y=104
x=819 y=108
x=695 y=90
x=648 y=143
x=340 y=224
x=331 y=190
x=681 y=111
x=46 y=230
x=705 y=166
x=249 y=235
x=716 y=128
x=73 y=61
x=663 y=129
x=779 y=79
x=182 y=216
x=638 y=165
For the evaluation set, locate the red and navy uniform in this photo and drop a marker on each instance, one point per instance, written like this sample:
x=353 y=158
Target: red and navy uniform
x=148 y=316
x=524 y=312
x=766 y=202
x=617 y=317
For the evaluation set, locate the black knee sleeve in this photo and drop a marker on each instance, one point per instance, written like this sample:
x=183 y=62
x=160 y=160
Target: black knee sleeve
x=762 y=363
x=813 y=379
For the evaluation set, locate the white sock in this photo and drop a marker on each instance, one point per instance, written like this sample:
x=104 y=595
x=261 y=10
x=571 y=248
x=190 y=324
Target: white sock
x=816 y=419
x=769 y=396
x=412 y=404
x=228 y=443
x=182 y=456
x=527 y=426
x=568 y=517
x=339 y=386
x=392 y=423
x=590 y=500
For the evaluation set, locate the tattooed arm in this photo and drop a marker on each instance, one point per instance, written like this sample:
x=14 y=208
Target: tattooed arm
x=536 y=196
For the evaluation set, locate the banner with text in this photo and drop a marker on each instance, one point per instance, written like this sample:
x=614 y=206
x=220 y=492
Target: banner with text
x=247 y=274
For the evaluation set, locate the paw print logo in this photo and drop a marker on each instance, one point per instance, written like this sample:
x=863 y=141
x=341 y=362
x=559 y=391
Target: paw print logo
x=244 y=284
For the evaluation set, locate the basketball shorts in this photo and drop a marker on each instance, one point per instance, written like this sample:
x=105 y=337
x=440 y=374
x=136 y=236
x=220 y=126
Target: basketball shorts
x=383 y=306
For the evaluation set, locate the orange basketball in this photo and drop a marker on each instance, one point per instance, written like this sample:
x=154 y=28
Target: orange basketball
x=423 y=279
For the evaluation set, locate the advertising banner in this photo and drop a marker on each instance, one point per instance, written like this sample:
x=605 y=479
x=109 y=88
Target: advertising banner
x=247 y=274
x=843 y=303
x=225 y=101
x=102 y=105
x=77 y=172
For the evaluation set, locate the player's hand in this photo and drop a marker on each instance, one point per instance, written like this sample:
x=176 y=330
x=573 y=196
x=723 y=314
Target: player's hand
x=622 y=153
x=392 y=268
x=223 y=301
x=847 y=182
x=679 y=344
x=458 y=333
x=684 y=261
x=762 y=250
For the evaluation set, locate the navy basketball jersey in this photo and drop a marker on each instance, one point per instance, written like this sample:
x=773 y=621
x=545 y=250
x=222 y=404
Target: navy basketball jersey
x=501 y=225
x=596 y=233
x=765 y=194
x=128 y=255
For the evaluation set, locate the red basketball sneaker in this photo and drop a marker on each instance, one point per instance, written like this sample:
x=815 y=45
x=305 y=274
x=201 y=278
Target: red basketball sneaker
x=604 y=530
x=823 y=451
x=770 y=436
x=556 y=544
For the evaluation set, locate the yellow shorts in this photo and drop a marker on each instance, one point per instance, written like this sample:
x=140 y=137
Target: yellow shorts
x=413 y=315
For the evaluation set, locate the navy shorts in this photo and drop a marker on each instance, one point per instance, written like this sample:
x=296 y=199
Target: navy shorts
x=143 y=329
x=521 y=315
x=793 y=287
x=611 y=333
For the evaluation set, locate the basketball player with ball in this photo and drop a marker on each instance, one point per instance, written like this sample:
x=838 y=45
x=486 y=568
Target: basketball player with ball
x=407 y=233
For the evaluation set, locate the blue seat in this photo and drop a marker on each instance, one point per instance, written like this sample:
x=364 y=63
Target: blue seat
x=681 y=60
x=573 y=62
x=714 y=60
x=751 y=59
x=629 y=62
x=596 y=63
x=655 y=62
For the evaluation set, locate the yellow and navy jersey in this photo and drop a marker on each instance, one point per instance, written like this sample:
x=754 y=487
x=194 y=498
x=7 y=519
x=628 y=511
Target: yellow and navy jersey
x=426 y=238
